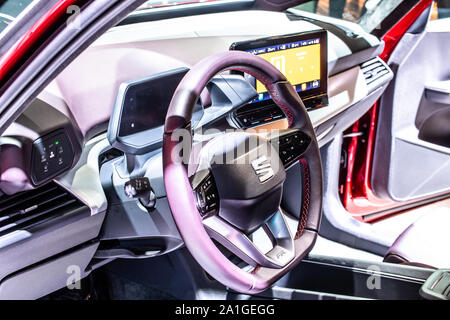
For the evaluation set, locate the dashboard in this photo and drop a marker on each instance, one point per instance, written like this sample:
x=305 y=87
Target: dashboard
x=137 y=120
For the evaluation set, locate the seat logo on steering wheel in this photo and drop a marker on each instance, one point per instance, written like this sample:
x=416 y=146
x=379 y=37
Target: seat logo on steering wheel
x=262 y=168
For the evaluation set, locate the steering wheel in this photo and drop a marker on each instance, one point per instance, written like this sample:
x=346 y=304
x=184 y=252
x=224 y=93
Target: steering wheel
x=246 y=194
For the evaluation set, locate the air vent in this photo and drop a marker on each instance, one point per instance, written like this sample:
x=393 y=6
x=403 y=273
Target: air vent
x=27 y=209
x=373 y=70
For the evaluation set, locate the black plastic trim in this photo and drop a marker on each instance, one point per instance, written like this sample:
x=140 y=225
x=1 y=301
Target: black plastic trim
x=391 y=20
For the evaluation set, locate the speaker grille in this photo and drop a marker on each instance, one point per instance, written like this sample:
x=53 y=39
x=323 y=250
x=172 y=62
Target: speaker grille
x=29 y=208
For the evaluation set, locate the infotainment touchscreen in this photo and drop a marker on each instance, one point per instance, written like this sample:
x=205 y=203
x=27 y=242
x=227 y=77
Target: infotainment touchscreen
x=302 y=58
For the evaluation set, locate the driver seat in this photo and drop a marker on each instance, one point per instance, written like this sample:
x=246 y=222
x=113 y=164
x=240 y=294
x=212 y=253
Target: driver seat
x=424 y=243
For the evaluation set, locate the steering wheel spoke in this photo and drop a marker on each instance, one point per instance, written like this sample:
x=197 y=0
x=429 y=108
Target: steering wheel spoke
x=277 y=229
x=291 y=145
x=240 y=244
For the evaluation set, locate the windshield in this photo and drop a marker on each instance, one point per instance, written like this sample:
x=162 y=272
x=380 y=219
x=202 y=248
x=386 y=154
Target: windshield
x=10 y=9
x=367 y=13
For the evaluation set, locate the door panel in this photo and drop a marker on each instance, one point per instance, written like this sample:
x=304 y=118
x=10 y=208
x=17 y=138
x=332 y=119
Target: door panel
x=411 y=154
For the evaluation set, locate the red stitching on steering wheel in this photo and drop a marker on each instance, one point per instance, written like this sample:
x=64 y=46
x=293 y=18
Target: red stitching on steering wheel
x=306 y=197
x=255 y=269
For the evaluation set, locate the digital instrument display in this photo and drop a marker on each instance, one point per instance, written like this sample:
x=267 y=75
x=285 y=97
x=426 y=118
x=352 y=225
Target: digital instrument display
x=146 y=102
x=302 y=58
x=137 y=121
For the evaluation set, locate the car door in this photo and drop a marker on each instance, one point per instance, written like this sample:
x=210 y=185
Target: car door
x=399 y=151
x=411 y=159
x=395 y=156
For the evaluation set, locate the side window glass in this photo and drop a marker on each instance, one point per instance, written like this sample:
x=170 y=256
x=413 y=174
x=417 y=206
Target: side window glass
x=441 y=10
x=367 y=13
x=9 y=10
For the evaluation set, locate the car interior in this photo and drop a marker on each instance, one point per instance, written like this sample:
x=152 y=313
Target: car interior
x=345 y=194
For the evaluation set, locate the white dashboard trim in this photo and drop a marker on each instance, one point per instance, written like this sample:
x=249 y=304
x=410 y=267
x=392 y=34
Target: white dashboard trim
x=83 y=181
x=344 y=90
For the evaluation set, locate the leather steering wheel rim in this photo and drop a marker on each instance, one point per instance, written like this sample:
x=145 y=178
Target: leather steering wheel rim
x=179 y=191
